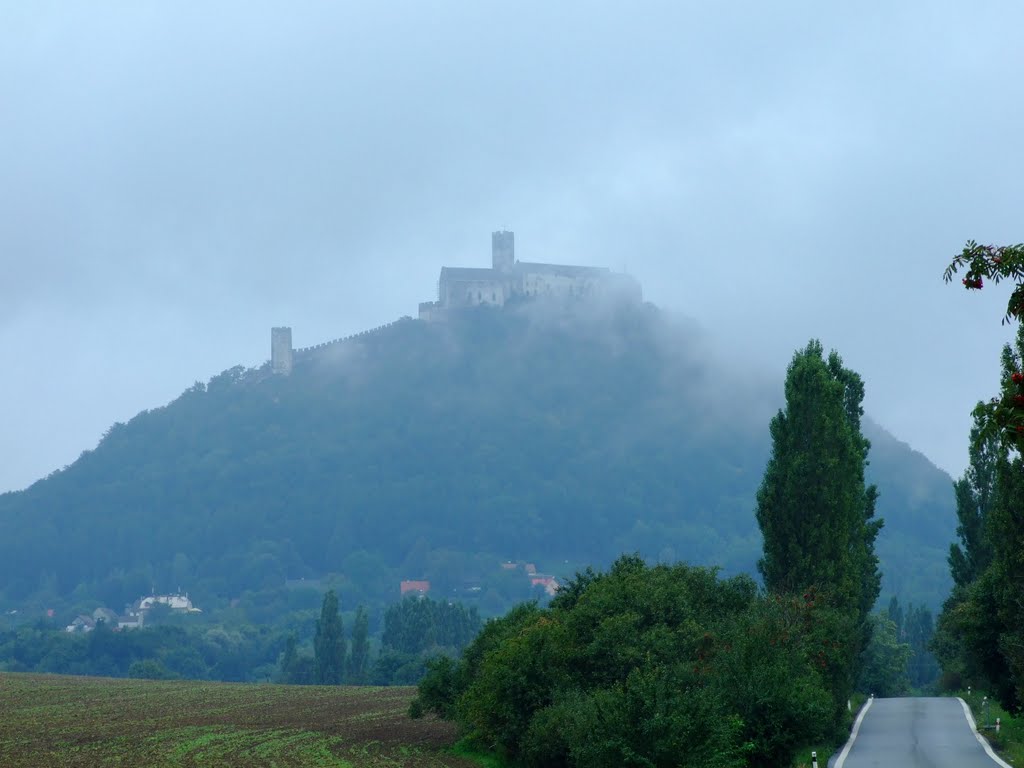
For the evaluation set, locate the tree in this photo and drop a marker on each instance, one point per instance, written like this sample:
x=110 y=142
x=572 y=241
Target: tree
x=288 y=660
x=359 y=659
x=918 y=630
x=985 y=628
x=813 y=507
x=975 y=495
x=642 y=666
x=884 y=671
x=895 y=614
x=329 y=643
x=1002 y=416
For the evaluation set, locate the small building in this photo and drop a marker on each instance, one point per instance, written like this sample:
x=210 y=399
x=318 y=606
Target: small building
x=130 y=621
x=414 y=588
x=81 y=623
x=105 y=615
x=548 y=583
x=174 y=602
x=177 y=603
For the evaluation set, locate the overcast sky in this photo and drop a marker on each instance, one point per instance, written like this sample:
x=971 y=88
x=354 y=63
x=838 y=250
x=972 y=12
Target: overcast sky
x=176 y=178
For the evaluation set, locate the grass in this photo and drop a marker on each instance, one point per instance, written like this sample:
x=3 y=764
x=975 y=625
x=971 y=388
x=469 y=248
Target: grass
x=825 y=751
x=49 y=720
x=486 y=760
x=1009 y=742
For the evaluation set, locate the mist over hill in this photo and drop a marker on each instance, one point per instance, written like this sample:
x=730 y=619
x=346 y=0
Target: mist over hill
x=557 y=434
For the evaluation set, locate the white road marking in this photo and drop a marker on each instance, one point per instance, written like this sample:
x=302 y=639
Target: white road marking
x=981 y=739
x=853 y=733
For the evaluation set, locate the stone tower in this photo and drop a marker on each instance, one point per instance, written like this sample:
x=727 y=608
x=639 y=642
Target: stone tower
x=281 y=350
x=503 y=250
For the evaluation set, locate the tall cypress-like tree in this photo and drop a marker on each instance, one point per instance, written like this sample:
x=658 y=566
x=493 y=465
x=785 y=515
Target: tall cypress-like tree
x=329 y=643
x=813 y=507
x=975 y=495
x=360 y=657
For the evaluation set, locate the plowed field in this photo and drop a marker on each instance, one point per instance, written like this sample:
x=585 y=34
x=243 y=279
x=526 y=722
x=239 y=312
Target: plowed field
x=48 y=720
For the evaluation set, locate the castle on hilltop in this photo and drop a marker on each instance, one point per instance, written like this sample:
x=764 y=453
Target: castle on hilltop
x=464 y=287
x=460 y=287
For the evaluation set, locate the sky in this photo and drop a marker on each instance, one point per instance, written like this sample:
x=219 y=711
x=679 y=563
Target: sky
x=177 y=178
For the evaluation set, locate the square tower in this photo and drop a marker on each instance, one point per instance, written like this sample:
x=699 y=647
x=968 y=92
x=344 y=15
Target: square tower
x=281 y=350
x=503 y=250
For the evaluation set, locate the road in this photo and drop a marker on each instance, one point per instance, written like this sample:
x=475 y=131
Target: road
x=915 y=733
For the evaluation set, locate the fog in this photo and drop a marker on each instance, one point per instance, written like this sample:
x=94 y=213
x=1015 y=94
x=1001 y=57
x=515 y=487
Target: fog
x=177 y=180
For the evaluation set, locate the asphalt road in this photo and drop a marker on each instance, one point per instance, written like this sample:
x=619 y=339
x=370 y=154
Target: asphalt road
x=915 y=733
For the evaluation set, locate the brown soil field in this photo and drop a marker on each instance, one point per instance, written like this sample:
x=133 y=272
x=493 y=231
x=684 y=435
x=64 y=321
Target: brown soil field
x=51 y=720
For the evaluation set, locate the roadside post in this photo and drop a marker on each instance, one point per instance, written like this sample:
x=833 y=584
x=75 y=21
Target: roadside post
x=814 y=760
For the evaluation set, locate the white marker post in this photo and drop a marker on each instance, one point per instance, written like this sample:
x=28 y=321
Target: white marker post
x=814 y=760
x=998 y=723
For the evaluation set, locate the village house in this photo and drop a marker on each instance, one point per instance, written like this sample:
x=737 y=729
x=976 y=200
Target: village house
x=414 y=588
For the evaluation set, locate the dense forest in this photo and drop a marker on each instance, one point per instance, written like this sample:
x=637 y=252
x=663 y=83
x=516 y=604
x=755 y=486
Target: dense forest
x=559 y=436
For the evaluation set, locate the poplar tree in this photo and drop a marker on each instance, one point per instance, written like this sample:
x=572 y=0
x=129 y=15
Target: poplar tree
x=329 y=643
x=814 y=508
x=359 y=659
x=975 y=496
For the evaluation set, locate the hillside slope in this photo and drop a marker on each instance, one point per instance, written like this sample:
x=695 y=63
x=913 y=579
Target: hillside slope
x=561 y=437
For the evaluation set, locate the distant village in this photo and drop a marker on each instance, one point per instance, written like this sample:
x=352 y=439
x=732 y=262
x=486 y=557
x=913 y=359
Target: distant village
x=134 y=616
x=550 y=585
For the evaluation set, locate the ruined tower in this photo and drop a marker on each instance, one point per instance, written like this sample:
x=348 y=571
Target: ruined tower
x=281 y=350
x=503 y=250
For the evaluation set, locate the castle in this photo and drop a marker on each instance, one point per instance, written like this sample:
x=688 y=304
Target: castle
x=505 y=280
x=460 y=287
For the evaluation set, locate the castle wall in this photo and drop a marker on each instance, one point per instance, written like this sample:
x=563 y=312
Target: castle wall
x=431 y=311
x=537 y=284
x=306 y=352
x=473 y=293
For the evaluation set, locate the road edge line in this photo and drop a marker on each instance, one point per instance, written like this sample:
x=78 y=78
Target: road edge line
x=853 y=733
x=981 y=739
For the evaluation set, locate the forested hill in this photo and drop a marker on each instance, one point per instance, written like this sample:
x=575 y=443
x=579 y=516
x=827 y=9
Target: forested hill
x=559 y=436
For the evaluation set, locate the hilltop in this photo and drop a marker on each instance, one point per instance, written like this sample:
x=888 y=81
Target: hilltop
x=558 y=433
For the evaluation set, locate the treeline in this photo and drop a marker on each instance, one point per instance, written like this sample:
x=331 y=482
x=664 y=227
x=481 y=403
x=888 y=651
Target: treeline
x=321 y=651
x=161 y=652
x=670 y=665
x=898 y=658
x=416 y=630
